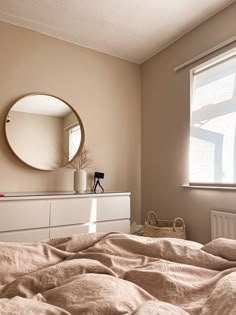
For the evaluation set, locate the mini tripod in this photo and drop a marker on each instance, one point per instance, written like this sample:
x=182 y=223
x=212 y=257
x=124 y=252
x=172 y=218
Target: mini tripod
x=97 y=176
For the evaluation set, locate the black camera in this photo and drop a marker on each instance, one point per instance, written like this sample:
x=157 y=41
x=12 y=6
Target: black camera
x=99 y=175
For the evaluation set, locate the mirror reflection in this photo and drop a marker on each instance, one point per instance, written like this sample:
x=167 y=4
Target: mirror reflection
x=44 y=131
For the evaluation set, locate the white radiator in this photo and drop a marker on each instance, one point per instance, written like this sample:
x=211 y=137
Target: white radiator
x=223 y=224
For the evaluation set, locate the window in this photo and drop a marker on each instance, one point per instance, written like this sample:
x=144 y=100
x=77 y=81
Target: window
x=212 y=153
x=74 y=141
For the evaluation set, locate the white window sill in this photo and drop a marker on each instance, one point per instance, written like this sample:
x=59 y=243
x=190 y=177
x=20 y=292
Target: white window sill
x=209 y=187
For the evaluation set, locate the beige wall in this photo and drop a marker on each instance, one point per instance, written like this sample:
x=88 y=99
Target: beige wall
x=104 y=90
x=165 y=131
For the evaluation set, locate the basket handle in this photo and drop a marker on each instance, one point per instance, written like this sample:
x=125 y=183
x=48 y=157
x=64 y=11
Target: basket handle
x=176 y=220
x=152 y=213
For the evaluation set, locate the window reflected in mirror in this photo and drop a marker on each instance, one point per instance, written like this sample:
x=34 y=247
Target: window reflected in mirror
x=74 y=140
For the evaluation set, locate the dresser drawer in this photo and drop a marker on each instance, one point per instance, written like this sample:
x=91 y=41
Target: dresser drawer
x=15 y=215
x=113 y=226
x=113 y=208
x=71 y=211
x=70 y=230
x=24 y=236
x=85 y=210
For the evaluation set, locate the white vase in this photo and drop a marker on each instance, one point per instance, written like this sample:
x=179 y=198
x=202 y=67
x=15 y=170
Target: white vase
x=80 y=181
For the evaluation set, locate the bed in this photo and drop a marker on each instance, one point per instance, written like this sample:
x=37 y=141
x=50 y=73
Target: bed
x=116 y=273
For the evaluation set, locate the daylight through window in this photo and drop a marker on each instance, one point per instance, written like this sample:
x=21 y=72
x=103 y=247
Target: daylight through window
x=212 y=156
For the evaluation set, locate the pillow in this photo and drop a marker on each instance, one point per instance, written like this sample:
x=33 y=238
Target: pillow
x=222 y=247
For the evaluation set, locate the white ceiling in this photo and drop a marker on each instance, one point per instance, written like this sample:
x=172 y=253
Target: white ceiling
x=130 y=29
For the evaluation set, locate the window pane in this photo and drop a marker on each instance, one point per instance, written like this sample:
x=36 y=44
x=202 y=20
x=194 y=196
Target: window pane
x=74 y=141
x=213 y=124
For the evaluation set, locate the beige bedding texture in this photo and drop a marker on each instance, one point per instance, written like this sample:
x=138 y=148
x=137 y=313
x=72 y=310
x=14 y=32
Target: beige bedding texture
x=118 y=274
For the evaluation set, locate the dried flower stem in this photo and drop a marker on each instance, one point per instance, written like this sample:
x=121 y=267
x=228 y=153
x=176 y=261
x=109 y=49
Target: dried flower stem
x=82 y=161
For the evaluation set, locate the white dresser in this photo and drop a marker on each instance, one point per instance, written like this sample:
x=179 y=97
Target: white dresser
x=33 y=218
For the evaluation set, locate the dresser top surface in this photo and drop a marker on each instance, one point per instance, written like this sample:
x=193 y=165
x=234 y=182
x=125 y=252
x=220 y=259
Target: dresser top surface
x=57 y=195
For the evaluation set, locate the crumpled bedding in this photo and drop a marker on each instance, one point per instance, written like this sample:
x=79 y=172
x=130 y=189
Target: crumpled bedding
x=116 y=273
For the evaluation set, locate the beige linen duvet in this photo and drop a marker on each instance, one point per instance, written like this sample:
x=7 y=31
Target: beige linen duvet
x=118 y=274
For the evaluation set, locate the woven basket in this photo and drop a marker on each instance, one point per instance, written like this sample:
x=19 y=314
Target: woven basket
x=164 y=228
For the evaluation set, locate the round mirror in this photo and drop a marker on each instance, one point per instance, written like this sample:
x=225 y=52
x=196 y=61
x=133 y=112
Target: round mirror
x=44 y=131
